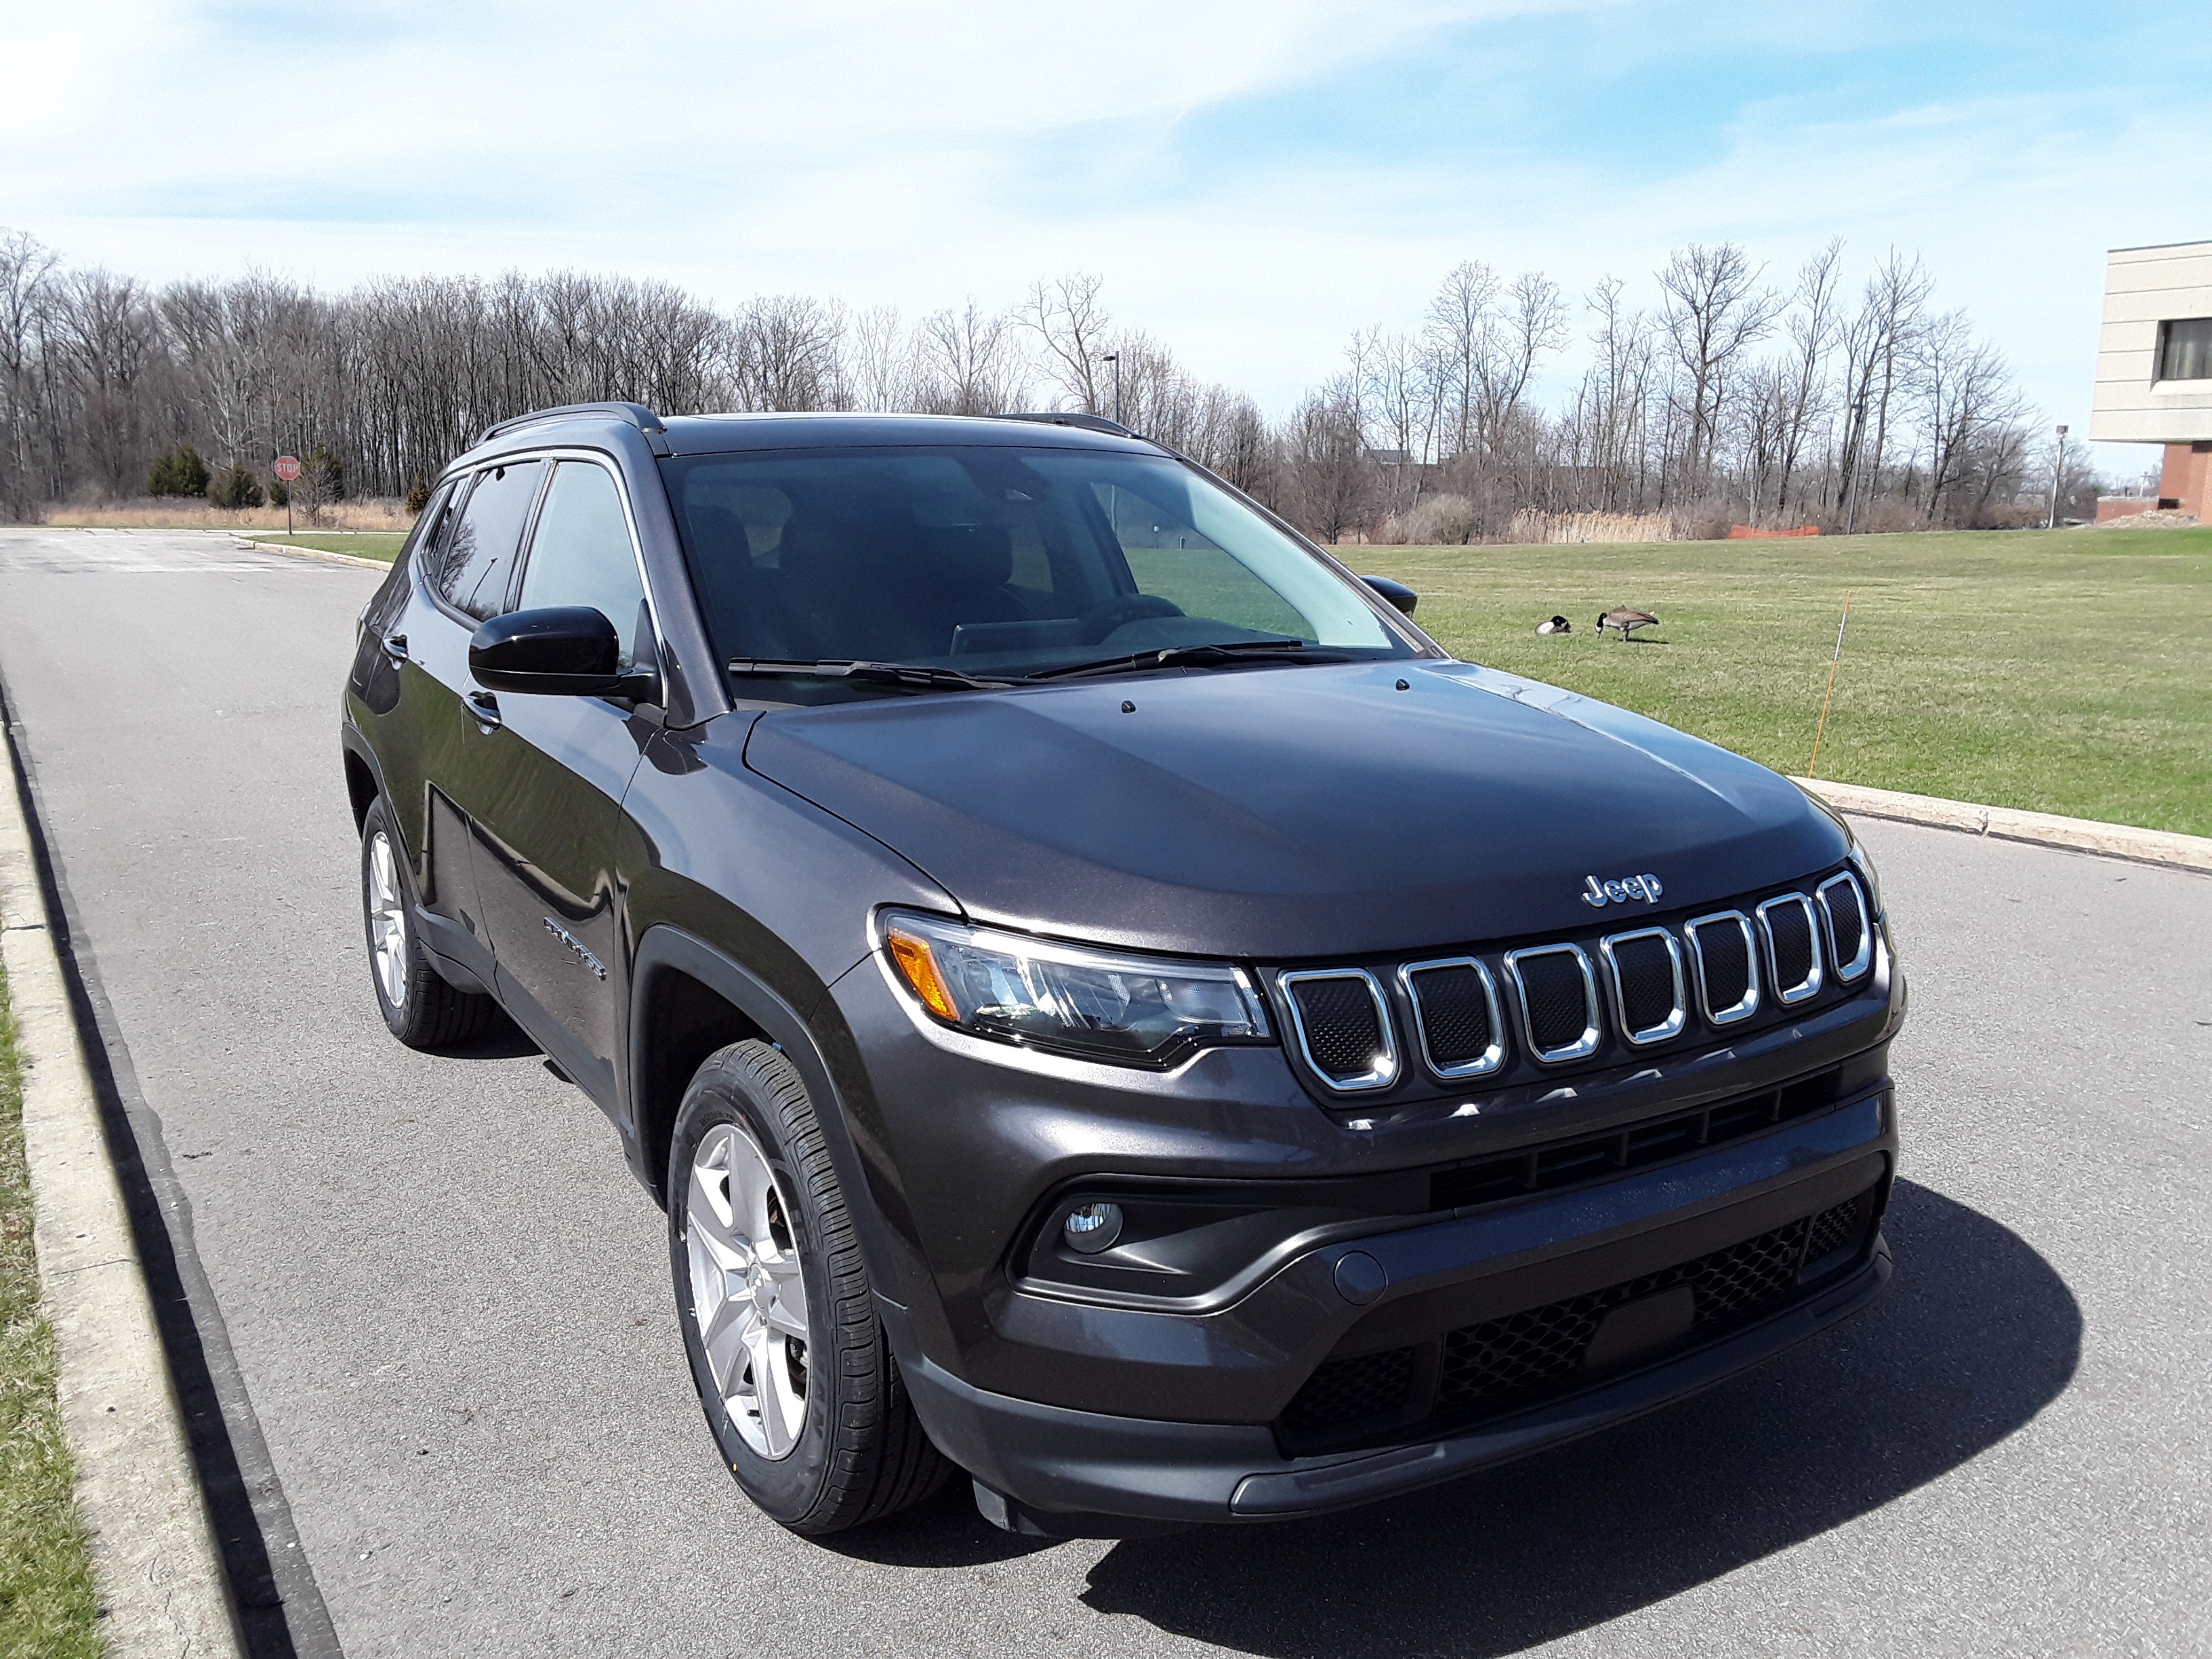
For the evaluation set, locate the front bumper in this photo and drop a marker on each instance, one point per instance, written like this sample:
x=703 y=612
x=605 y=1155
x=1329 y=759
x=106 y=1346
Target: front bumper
x=1059 y=1469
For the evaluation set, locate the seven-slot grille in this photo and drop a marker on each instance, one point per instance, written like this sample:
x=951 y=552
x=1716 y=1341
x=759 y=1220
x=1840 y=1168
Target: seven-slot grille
x=1721 y=966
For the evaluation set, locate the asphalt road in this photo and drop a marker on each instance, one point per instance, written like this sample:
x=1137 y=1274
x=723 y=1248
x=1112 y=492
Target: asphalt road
x=447 y=1300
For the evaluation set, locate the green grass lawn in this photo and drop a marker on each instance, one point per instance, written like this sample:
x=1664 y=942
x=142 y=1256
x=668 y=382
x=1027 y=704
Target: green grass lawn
x=383 y=544
x=2065 y=671
x=47 y=1605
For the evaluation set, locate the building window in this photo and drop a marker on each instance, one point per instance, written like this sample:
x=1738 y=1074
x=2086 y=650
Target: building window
x=2184 y=349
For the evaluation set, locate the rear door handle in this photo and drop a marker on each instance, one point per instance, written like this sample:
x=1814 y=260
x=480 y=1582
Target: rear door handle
x=395 y=647
x=485 y=708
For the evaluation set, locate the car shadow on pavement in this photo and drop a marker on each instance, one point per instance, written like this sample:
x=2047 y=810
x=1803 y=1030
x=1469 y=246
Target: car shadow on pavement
x=1976 y=1334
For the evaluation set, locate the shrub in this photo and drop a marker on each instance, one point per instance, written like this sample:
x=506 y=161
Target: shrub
x=234 y=487
x=180 y=473
x=321 y=482
x=418 y=497
x=1437 y=520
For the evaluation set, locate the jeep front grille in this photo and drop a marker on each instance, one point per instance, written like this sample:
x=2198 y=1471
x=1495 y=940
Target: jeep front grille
x=1560 y=1002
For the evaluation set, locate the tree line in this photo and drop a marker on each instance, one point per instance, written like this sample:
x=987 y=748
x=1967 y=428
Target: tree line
x=1733 y=396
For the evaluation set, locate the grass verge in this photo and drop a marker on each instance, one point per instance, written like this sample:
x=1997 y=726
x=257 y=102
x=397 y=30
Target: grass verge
x=2058 y=672
x=383 y=544
x=48 y=1604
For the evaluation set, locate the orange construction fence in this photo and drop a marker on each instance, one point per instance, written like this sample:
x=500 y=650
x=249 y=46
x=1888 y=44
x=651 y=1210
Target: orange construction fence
x=1744 y=532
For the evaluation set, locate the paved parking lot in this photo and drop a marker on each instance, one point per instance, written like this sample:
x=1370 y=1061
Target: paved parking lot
x=444 y=1300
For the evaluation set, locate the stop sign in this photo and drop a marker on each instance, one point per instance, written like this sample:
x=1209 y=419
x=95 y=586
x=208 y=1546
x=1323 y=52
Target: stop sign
x=288 y=467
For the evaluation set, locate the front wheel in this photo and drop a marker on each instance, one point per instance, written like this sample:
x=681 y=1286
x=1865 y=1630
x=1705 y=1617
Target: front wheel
x=419 y=1007
x=790 y=1361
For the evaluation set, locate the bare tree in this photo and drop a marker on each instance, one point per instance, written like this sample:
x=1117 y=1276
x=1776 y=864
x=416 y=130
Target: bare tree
x=1714 y=310
x=1070 y=321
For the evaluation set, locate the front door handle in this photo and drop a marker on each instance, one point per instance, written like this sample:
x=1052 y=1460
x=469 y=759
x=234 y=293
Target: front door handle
x=395 y=647
x=485 y=708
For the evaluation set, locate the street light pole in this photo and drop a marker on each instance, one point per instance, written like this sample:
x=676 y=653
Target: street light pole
x=2057 y=471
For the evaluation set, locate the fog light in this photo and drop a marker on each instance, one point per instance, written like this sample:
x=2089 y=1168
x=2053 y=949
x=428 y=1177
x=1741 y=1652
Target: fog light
x=1090 y=1228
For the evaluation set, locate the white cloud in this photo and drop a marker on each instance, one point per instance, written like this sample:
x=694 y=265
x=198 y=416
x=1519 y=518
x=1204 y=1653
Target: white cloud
x=892 y=153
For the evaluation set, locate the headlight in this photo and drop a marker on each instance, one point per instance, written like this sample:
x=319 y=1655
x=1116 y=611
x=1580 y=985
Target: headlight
x=1139 y=1010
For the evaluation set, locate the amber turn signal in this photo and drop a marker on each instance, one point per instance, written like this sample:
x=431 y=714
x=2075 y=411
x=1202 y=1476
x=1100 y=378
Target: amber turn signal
x=917 y=966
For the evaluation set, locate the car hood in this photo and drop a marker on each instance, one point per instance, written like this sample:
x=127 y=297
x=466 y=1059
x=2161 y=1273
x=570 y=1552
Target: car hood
x=1282 y=813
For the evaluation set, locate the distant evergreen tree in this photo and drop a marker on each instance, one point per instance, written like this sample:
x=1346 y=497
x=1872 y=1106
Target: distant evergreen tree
x=180 y=473
x=234 y=487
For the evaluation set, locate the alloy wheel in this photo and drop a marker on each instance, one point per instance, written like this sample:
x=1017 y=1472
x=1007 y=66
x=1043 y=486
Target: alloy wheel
x=748 y=1295
x=387 y=921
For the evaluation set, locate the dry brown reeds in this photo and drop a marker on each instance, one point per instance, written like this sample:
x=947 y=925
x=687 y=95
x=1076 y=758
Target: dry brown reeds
x=149 y=513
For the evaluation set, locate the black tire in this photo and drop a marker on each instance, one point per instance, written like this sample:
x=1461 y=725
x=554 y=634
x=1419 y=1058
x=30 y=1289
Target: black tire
x=429 y=1013
x=861 y=1453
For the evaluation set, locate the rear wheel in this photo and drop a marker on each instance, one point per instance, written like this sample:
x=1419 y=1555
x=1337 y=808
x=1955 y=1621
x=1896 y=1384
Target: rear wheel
x=420 y=1008
x=790 y=1361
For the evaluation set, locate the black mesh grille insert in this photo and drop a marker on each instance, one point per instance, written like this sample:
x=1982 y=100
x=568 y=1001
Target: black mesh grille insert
x=1343 y=1031
x=1516 y=1360
x=1724 y=957
x=1791 y=930
x=1508 y=1361
x=1344 y=1390
x=1558 y=1001
x=1646 y=968
x=1454 y=1015
x=1846 y=921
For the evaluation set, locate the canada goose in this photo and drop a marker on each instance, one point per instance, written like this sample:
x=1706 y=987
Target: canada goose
x=1557 y=625
x=1625 y=620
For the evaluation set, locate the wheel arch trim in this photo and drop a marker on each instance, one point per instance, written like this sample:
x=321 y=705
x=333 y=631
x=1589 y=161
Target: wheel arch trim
x=665 y=949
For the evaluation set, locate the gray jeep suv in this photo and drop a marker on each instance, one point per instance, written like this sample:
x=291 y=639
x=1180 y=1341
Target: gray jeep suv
x=1107 y=1005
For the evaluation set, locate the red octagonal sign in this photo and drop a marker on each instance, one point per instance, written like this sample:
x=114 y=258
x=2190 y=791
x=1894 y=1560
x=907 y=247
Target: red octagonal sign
x=288 y=467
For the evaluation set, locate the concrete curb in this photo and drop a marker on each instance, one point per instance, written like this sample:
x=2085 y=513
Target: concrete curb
x=2119 y=841
x=316 y=553
x=161 y=1585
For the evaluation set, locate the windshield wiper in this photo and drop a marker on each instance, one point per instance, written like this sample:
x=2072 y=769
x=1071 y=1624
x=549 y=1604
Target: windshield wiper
x=1191 y=656
x=867 y=673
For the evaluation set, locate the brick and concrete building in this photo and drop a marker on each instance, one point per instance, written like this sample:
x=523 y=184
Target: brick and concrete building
x=2154 y=369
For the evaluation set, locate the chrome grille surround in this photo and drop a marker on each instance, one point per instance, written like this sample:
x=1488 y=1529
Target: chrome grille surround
x=1385 y=1071
x=1745 y=1007
x=1679 y=1011
x=1809 y=987
x=1490 y=1058
x=1847 y=971
x=1582 y=1047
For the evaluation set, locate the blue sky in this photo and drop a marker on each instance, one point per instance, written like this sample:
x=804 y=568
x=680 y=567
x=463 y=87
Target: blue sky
x=1253 y=180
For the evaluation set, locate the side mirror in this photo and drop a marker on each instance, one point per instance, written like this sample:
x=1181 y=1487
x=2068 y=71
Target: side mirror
x=1402 y=598
x=562 y=650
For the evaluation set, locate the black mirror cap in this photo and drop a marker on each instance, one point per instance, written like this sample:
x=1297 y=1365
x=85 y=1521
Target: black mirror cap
x=562 y=650
x=1400 y=596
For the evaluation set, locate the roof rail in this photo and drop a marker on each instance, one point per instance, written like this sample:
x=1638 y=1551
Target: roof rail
x=637 y=414
x=1088 y=422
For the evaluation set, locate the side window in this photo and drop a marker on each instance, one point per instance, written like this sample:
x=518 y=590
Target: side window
x=580 y=554
x=480 y=558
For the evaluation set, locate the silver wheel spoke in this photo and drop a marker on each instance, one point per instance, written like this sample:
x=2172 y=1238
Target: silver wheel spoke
x=387 y=921
x=748 y=1293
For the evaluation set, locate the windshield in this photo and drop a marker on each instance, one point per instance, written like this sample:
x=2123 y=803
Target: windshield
x=994 y=561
